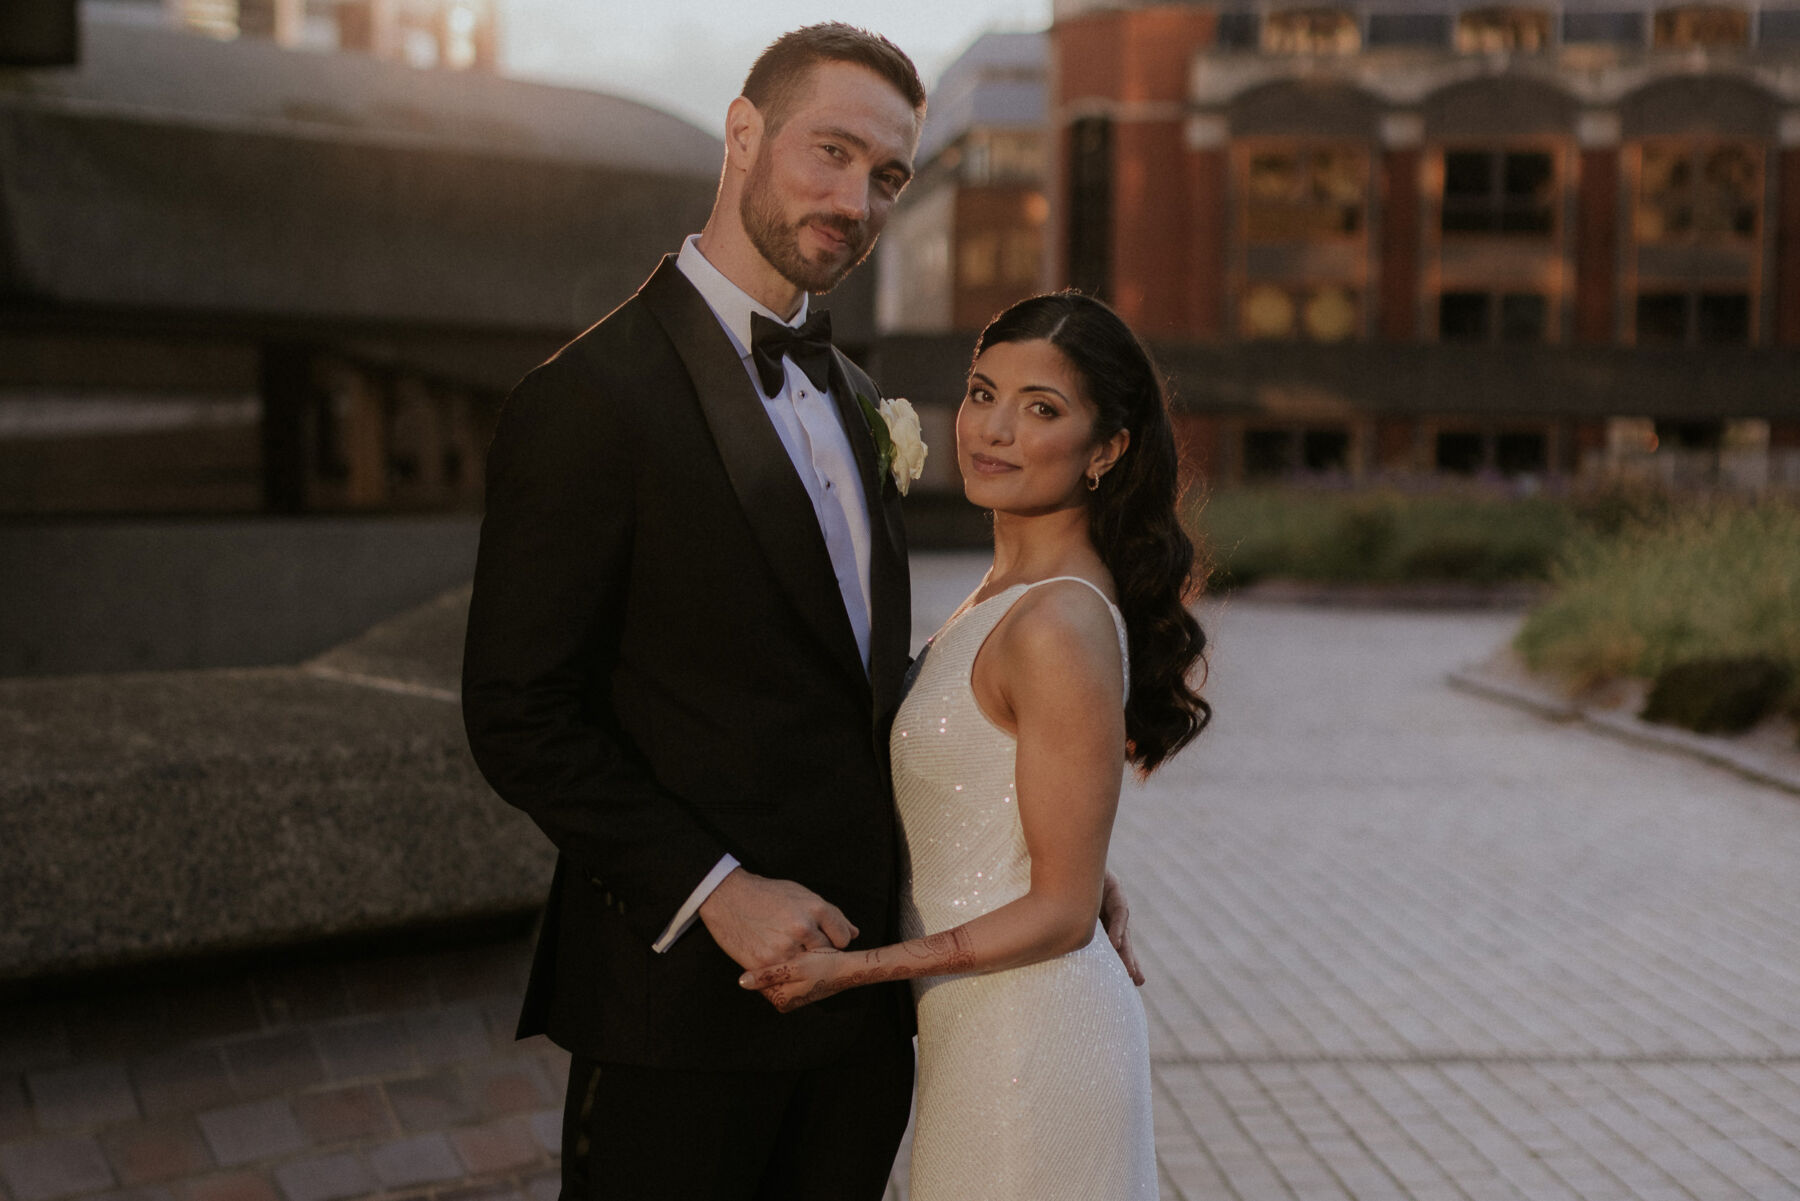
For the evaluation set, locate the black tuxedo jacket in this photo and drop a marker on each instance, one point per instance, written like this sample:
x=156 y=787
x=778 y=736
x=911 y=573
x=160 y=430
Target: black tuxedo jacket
x=659 y=670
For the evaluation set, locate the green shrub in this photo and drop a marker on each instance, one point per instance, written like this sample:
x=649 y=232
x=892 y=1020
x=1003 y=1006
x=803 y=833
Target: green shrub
x=1257 y=533
x=1717 y=695
x=1720 y=580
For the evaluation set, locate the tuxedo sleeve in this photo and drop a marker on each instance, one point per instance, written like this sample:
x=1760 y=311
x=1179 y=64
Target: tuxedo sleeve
x=543 y=638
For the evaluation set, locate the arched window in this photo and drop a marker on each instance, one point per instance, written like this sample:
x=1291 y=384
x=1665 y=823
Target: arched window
x=1698 y=191
x=1311 y=31
x=1300 y=193
x=1303 y=220
x=1482 y=30
x=1695 y=227
x=1701 y=25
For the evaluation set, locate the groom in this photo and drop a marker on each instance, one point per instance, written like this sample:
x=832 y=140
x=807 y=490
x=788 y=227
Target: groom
x=686 y=643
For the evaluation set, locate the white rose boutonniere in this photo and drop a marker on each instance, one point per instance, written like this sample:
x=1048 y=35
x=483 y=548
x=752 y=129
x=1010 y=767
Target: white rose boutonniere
x=897 y=442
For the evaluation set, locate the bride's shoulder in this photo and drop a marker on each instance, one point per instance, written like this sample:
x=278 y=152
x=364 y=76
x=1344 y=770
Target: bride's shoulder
x=1062 y=622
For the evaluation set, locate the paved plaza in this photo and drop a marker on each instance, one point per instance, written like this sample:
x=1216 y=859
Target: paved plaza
x=1406 y=943
x=1403 y=942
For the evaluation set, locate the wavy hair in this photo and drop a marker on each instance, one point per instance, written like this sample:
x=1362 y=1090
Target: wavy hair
x=1131 y=517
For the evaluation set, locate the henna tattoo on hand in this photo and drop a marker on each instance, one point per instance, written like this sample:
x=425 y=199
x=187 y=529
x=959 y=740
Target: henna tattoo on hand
x=943 y=954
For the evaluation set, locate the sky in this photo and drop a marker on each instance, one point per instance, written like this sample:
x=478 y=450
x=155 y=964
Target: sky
x=688 y=57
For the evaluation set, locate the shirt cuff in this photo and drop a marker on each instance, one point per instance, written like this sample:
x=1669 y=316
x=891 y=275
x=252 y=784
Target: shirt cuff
x=690 y=911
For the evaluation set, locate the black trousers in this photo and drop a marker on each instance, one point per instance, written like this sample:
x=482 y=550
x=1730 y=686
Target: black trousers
x=826 y=1134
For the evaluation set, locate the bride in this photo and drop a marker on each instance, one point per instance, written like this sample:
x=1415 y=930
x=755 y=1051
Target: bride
x=1071 y=659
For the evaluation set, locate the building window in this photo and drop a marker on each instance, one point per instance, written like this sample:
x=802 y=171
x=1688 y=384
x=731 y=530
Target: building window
x=1304 y=236
x=1689 y=435
x=1310 y=31
x=1616 y=28
x=1237 y=31
x=1298 y=195
x=1003 y=158
x=1722 y=318
x=1409 y=29
x=1523 y=316
x=1701 y=25
x=1693 y=318
x=1090 y=205
x=1521 y=453
x=1009 y=258
x=1324 y=450
x=1499 y=192
x=1022 y=256
x=1491 y=317
x=1688 y=192
x=1322 y=313
x=1695 y=224
x=1460 y=452
x=1662 y=319
x=1464 y=317
x=1271 y=453
x=1484 y=30
x=978 y=260
x=1268 y=453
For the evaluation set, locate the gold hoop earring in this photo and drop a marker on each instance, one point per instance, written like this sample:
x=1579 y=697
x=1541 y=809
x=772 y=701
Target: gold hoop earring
x=1094 y=482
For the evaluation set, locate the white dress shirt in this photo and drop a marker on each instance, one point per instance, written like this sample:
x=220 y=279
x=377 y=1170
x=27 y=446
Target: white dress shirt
x=806 y=420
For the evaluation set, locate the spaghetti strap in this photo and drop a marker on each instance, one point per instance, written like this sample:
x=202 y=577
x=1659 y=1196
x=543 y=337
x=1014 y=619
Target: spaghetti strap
x=1078 y=579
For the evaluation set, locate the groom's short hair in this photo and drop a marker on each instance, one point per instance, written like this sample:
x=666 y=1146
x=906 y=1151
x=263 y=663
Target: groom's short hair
x=781 y=71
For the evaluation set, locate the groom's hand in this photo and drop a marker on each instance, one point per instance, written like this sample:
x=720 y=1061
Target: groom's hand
x=759 y=922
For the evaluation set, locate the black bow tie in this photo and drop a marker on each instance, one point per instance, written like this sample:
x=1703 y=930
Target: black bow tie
x=809 y=347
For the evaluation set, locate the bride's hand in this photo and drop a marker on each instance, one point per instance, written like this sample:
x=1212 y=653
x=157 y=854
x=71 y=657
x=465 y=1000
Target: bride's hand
x=807 y=977
x=1115 y=916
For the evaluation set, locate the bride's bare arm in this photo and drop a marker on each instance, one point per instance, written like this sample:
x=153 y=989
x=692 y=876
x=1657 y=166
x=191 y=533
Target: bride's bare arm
x=1051 y=674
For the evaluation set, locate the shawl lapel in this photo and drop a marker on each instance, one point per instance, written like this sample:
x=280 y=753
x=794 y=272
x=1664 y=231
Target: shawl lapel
x=890 y=599
x=774 y=502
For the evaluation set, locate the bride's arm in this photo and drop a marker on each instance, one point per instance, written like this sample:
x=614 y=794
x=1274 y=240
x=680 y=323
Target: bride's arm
x=1052 y=674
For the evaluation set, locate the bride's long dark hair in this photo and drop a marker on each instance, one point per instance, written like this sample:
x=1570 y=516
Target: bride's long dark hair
x=1131 y=517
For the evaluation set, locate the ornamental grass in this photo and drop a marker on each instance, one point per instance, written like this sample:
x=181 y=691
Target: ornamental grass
x=1378 y=536
x=1714 y=581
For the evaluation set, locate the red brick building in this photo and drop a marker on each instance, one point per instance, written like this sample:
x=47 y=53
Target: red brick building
x=1392 y=238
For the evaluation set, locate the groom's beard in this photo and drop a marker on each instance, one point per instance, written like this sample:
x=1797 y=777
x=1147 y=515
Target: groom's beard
x=779 y=242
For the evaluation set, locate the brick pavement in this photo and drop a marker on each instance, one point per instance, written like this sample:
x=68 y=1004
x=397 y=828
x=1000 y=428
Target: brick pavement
x=1408 y=943
x=390 y=1075
x=1403 y=943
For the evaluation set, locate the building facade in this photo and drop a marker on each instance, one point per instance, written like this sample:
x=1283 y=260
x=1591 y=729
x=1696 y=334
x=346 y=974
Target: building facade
x=238 y=277
x=1392 y=237
x=453 y=34
x=968 y=236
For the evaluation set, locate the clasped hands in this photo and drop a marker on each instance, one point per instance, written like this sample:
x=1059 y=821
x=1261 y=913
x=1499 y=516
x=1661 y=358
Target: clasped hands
x=790 y=941
x=776 y=930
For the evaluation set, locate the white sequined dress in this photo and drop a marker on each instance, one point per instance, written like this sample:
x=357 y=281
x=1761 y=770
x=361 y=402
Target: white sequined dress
x=1034 y=1083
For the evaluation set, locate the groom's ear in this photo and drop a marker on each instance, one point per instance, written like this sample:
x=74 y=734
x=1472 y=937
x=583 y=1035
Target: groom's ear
x=743 y=133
